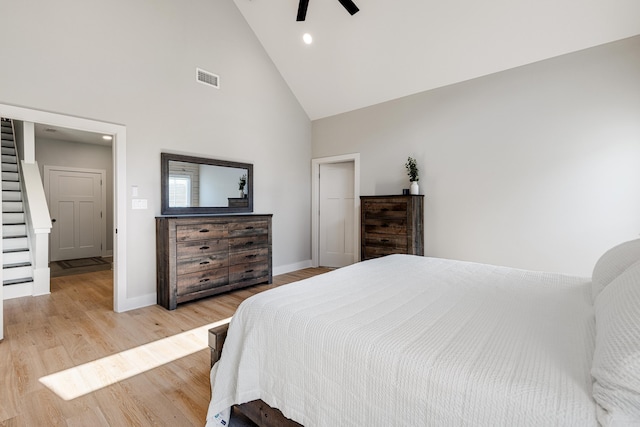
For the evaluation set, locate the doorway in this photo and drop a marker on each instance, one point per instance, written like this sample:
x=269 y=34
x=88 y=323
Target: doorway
x=118 y=132
x=336 y=206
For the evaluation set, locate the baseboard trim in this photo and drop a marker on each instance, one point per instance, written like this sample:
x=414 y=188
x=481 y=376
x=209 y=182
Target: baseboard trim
x=283 y=269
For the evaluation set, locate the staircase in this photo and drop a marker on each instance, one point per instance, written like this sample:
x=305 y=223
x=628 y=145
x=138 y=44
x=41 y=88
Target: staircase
x=16 y=259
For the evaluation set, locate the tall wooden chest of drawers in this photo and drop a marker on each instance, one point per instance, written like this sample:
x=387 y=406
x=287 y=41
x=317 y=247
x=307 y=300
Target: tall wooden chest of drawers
x=391 y=225
x=199 y=256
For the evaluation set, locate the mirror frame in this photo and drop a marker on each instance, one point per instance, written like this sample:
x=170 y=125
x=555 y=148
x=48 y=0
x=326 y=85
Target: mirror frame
x=164 y=185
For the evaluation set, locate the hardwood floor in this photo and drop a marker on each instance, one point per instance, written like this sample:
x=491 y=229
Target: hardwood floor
x=74 y=342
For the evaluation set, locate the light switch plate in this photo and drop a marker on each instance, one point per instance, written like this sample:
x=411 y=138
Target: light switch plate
x=138 y=203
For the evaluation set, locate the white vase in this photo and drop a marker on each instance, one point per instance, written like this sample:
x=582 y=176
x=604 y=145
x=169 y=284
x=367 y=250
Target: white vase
x=414 y=189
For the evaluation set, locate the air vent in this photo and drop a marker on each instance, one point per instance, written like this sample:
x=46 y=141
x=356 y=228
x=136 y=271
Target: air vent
x=207 y=78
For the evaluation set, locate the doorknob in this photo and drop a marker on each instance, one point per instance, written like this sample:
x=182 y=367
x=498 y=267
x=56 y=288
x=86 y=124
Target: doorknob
x=53 y=220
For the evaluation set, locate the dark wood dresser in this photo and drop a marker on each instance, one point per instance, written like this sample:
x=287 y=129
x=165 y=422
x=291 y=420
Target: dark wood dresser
x=391 y=225
x=199 y=256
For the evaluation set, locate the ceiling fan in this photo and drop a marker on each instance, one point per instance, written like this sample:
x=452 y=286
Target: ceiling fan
x=302 y=8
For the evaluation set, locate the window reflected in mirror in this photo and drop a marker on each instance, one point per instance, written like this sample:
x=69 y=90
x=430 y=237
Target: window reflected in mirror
x=196 y=184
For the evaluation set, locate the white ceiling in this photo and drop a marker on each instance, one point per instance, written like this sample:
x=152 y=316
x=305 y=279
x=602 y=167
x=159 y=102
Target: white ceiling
x=394 y=48
x=71 y=135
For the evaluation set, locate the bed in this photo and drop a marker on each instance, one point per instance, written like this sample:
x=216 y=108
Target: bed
x=416 y=341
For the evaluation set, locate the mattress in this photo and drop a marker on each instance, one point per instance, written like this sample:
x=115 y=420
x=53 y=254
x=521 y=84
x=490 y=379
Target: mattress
x=415 y=341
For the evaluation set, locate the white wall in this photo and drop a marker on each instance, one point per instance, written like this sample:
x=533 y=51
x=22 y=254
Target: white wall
x=536 y=167
x=133 y=63
x=51 y=152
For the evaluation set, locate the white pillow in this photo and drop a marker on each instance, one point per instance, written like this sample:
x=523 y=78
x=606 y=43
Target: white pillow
x=613 y=263
x=616 y=359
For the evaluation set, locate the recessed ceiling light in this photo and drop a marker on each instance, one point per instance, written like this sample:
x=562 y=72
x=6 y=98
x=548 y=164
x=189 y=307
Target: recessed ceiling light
x=107 y=137
x=307 y=38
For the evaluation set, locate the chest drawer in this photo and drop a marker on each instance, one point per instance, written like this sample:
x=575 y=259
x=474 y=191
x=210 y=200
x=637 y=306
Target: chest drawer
x=385 y=226
x=208 y=262
x=241 y=243
x=386 y=241
x=385 y=209
x=200 y=248
x=251 y=255
x=248 y=228
x=202 y=231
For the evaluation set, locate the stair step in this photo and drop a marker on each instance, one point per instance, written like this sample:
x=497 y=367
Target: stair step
x=10 y=186
x=17 y=272
x=8 y=150
x=11 y=218
x=7 y=158
x=16 y=258
x=16 y=282
x=9 y=176
x=13 y=231
x=11 y=207
x=7 y=136
x=11 y=196
x=15 y=243
x=10 y=167
x=7 y=144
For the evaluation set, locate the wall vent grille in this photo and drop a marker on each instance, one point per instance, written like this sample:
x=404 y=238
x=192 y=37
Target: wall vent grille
x=207 y=78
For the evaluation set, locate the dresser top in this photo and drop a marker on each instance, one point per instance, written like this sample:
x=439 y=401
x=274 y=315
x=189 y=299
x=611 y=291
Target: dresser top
x=239 y=215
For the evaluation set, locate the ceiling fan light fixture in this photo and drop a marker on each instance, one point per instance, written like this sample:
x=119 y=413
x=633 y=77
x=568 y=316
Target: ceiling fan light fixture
x=304 y=4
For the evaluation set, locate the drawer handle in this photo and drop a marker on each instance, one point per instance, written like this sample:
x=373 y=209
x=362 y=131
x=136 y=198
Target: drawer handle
x=385 y=225
x=204 y=247
x=204 y=263
x=384 y=240
x=249 y=243
x=248 y=271
x=249 y=227
x=204 y=280
x=385 y=209
x=204 y=230
x=251 y=256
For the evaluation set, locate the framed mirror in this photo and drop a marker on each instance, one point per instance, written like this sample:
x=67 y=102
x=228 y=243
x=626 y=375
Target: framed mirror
x=198 y=185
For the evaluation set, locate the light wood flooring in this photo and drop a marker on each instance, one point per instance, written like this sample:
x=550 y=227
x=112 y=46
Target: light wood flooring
x=76 y=325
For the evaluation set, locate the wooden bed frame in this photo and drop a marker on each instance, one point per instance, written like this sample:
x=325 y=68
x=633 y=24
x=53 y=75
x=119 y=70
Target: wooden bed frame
x=256 y=410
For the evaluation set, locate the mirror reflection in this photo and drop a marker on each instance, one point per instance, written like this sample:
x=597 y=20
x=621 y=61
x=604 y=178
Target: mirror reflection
x=200 y=185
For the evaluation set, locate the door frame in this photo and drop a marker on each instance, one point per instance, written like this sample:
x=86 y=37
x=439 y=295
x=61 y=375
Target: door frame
x=315 y=202
x=103 y=198
x=119 y=158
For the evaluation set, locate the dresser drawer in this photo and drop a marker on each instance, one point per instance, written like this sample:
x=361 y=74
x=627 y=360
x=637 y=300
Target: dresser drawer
x=202 y=231
x=249 y=271
x=192 y=265
x=385 y=209
x=195 y=249
x=241 y=243
x=251 y=255
x=195 y=282
x=248 y=228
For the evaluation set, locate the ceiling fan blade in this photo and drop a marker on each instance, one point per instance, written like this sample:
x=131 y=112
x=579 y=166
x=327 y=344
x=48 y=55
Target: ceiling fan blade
x=350 y=6
x=302 y=10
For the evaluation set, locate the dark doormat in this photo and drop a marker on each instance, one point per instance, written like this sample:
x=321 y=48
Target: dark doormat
x=82 y=262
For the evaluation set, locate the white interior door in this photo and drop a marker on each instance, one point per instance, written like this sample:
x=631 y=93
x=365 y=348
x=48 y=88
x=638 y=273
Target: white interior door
x=75 y=204
x=336 y=220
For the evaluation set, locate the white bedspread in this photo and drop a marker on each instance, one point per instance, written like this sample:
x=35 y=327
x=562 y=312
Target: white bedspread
x=415 y=341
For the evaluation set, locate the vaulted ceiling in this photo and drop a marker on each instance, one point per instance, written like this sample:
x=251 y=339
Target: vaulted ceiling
x=394 y=48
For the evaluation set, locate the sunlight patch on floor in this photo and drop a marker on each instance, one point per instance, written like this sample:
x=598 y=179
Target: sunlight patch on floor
x=83 y=379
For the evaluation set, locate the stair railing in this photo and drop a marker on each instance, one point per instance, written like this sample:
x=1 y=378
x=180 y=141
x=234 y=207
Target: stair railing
x=39 y=225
